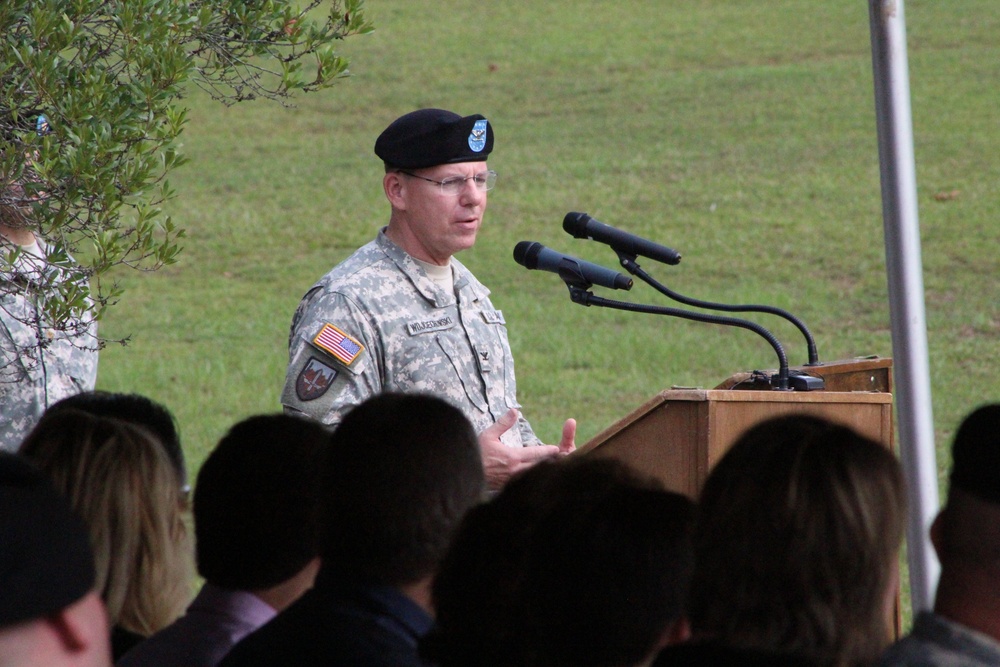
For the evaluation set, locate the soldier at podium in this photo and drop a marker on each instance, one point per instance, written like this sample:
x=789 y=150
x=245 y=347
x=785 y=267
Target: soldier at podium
x=401 y=314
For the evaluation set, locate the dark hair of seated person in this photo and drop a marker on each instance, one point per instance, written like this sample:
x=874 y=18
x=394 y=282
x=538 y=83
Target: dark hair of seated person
x=575 y=562
x=256 y=502
x=390 y=524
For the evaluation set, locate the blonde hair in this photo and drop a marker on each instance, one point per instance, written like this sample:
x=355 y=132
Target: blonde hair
x=121 y=482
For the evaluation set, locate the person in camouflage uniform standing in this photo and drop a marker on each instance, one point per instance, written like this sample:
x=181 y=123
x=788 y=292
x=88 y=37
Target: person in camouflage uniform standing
x=401 y=314
x=40 y=362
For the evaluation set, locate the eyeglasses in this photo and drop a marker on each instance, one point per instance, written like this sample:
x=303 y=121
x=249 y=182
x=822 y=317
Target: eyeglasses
x=453 y=185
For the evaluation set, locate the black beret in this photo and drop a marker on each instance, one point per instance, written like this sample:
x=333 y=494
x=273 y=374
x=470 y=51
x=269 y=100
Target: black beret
x=46 y=562
x=429 y=137
x=976 y=454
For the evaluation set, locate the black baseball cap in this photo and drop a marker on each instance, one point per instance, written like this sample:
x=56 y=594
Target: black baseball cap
x=46 y=562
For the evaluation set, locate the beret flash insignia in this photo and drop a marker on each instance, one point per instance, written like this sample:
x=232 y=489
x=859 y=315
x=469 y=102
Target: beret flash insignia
x=477 y=138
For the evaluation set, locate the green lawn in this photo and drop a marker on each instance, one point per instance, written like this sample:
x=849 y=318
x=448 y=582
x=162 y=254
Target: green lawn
x=742 y=134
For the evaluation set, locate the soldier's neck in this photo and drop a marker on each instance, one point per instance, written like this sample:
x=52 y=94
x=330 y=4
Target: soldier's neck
x=17 y=235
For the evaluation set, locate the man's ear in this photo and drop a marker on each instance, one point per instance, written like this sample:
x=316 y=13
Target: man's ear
x=68 y=629
x=395 y=189
x=81 y=626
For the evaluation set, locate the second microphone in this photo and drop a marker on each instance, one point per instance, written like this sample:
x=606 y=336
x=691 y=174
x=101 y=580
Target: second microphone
x=533 y=255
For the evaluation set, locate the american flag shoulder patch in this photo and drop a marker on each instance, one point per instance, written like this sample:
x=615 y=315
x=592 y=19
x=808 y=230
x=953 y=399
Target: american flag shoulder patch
x=339 y=344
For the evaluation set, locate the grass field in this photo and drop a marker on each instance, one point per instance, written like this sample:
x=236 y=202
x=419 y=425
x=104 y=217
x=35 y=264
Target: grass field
x=742 y=134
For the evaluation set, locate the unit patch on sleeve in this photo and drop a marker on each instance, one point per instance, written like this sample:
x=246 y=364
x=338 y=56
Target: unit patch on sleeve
x=313 y=380
x=339 y=344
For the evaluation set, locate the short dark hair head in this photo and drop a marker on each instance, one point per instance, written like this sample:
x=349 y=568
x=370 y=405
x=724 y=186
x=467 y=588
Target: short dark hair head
x=516 y=585
x=134 y=409
x=975 y=454
x=606 y=577
x=401 y=472
x=46 y=562
x=256 y=502
x=799 y=527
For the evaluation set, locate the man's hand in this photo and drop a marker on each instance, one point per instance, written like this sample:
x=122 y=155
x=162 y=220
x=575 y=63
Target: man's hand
x=568 y=442
x=501 y=462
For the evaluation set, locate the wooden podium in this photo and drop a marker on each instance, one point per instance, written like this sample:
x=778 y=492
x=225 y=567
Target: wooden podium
x=679 y=434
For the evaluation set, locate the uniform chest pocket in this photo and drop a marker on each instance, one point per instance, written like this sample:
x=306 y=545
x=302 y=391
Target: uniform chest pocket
x=468 y=371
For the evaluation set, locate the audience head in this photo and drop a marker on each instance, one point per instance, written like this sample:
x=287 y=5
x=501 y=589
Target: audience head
x=120 y=481
x=966 y=533
x=401 y=471
x=49 y=611
x=797 y=540
x=133 y=409
x=575 y=562
x=256 y=503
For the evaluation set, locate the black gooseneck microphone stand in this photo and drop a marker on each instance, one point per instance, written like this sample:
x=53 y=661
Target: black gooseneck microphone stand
x=629 y=263
x=579 y=292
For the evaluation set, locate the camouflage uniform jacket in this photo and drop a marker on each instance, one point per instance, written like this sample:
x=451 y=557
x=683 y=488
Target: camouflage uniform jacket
x=39 y=364
x=938 y=642
x=378 y=323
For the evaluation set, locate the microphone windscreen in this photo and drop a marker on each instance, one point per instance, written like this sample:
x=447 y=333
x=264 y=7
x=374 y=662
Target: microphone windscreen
x=526 y=253
x=575 y=224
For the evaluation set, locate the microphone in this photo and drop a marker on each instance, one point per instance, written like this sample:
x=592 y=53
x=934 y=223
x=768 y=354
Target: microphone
x=533 y=255
x=582 y=226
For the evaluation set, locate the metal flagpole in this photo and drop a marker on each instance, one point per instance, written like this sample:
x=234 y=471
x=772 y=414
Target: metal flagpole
x=906 y=290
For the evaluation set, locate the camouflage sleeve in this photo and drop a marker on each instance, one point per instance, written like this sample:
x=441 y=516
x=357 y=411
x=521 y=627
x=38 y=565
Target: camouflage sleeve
x=334 y=359
x=528 y=436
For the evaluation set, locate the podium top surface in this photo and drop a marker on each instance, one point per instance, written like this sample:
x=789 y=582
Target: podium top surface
x=854 y=382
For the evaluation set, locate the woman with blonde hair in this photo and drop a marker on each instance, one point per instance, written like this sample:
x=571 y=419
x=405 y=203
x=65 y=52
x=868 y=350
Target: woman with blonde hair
x=123 y=484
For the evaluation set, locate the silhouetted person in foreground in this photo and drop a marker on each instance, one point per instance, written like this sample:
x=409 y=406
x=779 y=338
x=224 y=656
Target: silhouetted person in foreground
x=400 y=473
x=579 y=562
x=50 y=612
x=256 y=507
x=964 y=628
x=796 y=547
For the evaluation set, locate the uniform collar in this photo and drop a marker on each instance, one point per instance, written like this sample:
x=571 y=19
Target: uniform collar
x=422 y=282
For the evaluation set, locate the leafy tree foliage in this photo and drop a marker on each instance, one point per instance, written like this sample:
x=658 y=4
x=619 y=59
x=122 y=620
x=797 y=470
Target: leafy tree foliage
x=109 y=76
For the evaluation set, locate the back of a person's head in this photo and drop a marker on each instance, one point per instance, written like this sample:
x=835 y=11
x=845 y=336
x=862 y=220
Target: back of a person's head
x=967 y=533
x=46 y=573
x=799 y=526
x=256 y=502
x=401 y=471
x=132 y=409
x=606 y=577
x=474 y=590
x=121 y=482
x=501 y=600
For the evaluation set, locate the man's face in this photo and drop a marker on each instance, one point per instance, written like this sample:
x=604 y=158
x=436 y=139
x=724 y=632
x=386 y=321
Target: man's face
x=15 y=203
x=433 y=225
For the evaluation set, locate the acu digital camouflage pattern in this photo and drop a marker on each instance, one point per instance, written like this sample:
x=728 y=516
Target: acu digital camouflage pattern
x=416 y=338
x=39 y=365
